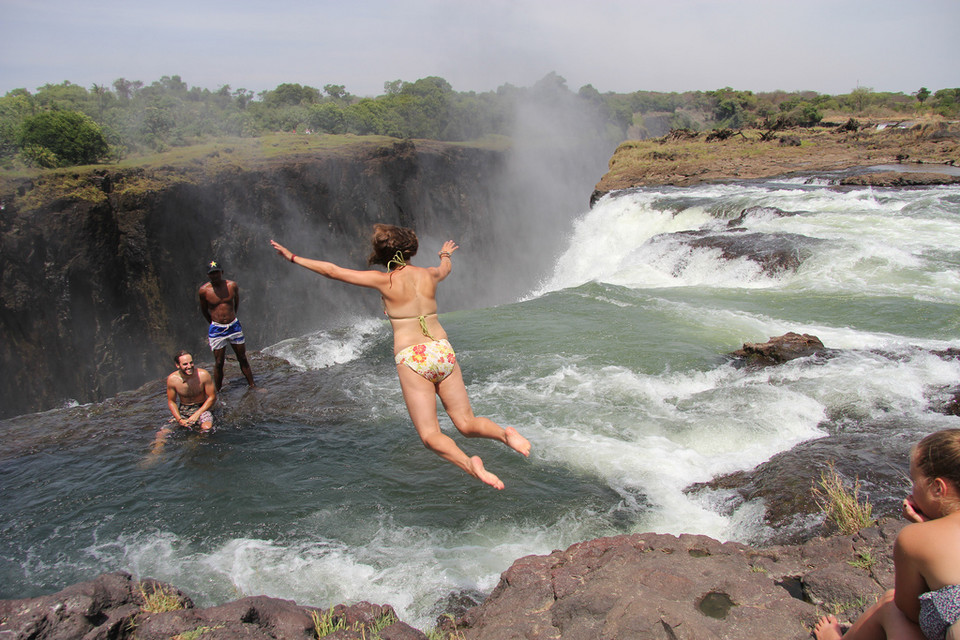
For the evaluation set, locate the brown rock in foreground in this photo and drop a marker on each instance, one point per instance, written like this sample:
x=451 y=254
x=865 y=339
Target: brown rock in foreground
x=684 y=588
x=112 y=606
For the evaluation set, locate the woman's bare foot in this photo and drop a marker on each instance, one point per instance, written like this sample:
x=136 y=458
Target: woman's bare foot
x=485 y=476
x=517 y=442
x=827 y=628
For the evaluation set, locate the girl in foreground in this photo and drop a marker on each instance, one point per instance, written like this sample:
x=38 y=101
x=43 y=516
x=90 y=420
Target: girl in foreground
x=425 y=360
x=925 y=602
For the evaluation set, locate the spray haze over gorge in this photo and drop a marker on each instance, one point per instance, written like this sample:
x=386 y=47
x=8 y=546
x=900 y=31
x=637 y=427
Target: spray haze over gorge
x=110 y=285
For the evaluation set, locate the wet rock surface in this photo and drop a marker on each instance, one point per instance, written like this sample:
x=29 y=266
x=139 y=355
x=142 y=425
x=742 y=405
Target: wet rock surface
x=774 y=253
x=779 y=349
x=785 y=484
x=760 y=212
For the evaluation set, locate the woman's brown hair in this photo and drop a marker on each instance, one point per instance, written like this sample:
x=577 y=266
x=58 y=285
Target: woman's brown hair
x=388 y=240
x=938 y=456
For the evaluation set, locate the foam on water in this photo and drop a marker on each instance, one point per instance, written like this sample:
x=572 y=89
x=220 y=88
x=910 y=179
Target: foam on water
x=329 y=346
x=648 y=434
x=601 y=239
x=911 y=234
x=412 y=568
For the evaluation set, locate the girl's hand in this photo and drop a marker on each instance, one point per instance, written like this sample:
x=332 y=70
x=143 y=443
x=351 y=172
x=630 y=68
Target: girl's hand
x=448 y=247
x=912 y=512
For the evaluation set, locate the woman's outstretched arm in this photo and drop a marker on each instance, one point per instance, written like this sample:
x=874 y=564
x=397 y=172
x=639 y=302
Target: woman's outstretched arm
x=446 y=265
x=369 y=278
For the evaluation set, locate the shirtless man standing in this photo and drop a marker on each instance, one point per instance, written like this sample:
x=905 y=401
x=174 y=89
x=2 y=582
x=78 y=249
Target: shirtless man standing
x=219 y=301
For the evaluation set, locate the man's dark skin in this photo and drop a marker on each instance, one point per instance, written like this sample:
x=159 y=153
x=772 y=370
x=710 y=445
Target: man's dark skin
x=219 y=301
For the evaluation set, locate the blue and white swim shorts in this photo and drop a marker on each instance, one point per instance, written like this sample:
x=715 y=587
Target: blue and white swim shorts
x=220 y=334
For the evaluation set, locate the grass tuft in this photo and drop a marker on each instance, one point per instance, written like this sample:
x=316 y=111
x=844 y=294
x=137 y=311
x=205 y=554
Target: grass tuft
x=841 y=505
x=196 y=633
x=837 y=608
x=159 y=599
x=382 y=622
x=864 y=560
x=323 y=623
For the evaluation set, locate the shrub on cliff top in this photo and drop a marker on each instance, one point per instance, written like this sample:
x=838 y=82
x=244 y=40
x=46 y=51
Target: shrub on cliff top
x=71 y=137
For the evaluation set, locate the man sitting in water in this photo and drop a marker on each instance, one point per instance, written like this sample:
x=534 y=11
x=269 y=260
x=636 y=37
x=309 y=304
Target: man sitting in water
x=190 y=394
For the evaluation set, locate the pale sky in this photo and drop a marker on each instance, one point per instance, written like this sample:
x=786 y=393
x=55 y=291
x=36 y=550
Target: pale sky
x=828 y=46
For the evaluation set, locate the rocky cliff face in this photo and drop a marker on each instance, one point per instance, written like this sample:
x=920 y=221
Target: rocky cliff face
x=99 y=286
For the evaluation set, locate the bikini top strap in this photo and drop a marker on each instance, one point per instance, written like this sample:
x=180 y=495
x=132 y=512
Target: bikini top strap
x=423 y=327
x=397 y=260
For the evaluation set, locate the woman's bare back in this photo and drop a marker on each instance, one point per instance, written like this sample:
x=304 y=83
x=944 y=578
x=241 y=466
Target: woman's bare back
x=411 y=294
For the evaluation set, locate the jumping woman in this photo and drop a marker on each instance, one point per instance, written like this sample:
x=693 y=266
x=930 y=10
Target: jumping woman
x=425 y=361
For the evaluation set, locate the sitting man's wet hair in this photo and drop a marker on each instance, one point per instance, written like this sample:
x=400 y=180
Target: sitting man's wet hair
x=388 y=240
x=178 y=355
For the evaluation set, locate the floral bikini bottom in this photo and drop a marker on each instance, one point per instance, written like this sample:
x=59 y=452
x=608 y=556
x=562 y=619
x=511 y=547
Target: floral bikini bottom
x=433 y=361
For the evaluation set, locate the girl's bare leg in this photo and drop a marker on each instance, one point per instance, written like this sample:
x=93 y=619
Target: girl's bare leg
x=420 y=396
x=882 y=620
x=453 y=393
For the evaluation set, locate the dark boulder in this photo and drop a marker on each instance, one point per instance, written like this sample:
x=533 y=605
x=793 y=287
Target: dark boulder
x=774 y=252
x=759 y=212
x=784 y=484
x=780 y=349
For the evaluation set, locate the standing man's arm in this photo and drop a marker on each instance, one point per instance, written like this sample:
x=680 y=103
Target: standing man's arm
x=236 y=298
x=204 y=308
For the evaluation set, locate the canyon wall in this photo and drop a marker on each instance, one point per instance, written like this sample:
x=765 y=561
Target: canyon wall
x=99 y=281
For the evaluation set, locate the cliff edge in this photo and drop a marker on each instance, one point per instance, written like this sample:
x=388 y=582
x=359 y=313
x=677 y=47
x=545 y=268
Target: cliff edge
x=684 y=158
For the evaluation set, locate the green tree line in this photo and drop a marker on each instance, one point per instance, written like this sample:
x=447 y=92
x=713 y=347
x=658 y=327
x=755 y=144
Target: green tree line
x=66 y=124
